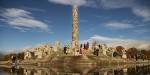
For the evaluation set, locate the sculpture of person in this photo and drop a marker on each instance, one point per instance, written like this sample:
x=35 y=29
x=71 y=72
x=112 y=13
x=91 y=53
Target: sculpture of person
x=65 y=50
x=124 y=56
x=104 y=49
x=97 y=50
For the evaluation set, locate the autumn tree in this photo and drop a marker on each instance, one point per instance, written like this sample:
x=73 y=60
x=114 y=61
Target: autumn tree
x=1 y=56
x=20 y=56
x=132 y=52
x=8 y=56
x=119 y=49
x=146 y=54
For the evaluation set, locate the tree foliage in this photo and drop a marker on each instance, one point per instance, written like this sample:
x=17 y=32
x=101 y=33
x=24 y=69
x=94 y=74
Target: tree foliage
x=119 y=49
x=132 y=52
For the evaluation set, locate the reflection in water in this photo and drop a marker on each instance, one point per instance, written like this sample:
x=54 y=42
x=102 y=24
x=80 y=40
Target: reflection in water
x=136 y=70
x=95 y=73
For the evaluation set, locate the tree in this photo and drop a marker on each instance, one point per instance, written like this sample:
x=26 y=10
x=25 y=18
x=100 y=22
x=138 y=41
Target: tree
x=132 y=52
x=148 y=54
x=1 y=56
x=120 y=49
x=20 y=56
x=8 y=56
x=143 y=51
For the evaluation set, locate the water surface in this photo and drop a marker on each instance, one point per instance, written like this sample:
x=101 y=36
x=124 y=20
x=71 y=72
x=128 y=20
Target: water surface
x=80 y=70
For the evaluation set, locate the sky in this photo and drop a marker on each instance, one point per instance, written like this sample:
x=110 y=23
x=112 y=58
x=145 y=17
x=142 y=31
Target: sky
x=27 y=23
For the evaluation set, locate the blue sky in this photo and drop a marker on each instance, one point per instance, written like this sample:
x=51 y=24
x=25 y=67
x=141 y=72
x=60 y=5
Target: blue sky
x=26 y=23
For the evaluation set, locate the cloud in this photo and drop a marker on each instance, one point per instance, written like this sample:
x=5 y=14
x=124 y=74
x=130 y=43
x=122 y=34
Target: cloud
x=143 y=12
x=141 y=31
x=108 y=4
x=34 y=9
x=135 y=5
x=20 y=19
x=118 y=25
x=97 y=3
x=105 y=39
x=21 y=29
x=137 y=8
x=113 y=42
x=69 y=2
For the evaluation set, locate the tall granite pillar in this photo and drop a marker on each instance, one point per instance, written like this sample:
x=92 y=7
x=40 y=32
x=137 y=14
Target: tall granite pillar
x=75 y=37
